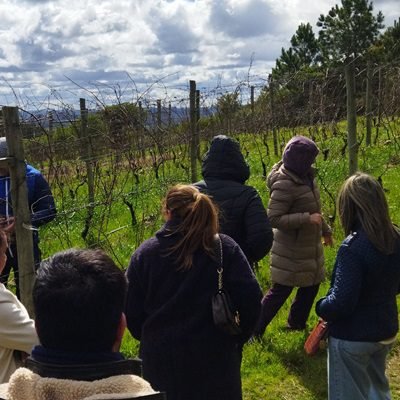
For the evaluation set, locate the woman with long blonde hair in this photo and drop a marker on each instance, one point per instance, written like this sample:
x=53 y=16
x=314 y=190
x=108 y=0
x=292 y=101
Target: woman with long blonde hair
x=172 y=278
x=360 y=306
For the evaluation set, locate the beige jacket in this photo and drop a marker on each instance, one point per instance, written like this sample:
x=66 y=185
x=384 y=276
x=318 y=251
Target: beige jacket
x=17 y=332
x=297 y=257
x=26 y=385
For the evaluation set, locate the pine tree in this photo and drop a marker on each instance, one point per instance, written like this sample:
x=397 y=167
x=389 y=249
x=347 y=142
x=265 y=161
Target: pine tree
x=303 y=53
x=347 y=31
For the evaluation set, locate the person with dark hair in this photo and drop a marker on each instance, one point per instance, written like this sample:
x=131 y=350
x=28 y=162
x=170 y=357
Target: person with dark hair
x=360 y=306
x=242 y=215
x=78 y=298
x=41 y=205
x=172 y=279
x=297 y=258
x=17 y=329
x=79 y=288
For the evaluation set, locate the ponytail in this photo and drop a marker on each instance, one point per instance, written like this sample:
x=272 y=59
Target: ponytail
x=197 y=218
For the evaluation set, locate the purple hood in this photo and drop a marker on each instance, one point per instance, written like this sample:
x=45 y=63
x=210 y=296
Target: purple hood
x=299 y=154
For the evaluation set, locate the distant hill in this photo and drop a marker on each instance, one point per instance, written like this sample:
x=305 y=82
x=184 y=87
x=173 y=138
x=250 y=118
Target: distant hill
x=42 y=120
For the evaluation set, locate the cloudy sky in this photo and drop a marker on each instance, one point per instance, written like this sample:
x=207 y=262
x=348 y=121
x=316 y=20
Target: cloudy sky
x=60 y=50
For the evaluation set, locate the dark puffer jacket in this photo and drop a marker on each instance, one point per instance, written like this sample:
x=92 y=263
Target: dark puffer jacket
x=361 y=303
x=242 y=213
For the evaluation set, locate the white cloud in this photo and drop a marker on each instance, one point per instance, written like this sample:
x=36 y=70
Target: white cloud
x=126 y=42
x=243 y=19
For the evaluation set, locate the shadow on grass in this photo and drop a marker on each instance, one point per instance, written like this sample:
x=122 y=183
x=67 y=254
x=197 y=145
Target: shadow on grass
x=310 y=371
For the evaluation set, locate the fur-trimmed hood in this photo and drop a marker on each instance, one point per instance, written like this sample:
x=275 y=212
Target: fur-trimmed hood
x=26 y=385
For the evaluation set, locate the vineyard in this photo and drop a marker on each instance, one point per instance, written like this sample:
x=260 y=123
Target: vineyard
x=109 y=164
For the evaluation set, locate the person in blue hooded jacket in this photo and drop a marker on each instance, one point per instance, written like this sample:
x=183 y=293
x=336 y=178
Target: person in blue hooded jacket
x=41 y=205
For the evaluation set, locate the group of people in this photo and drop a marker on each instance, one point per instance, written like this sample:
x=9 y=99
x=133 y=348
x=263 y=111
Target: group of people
x=83 y=302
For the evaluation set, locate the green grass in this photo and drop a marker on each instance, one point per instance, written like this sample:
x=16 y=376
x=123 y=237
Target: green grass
x=276 y=367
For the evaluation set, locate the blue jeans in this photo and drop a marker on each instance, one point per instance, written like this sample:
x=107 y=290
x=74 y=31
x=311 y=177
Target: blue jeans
x=356 y=370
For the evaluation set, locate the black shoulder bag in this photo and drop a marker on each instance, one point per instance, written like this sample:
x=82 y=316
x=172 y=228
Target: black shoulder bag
x=226 y=317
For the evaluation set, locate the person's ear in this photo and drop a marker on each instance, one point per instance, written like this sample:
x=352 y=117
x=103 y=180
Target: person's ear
x=120 y=333
x=167 y=215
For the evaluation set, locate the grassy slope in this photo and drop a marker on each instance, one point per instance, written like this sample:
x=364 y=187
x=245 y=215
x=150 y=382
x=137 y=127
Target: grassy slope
x=276 y=368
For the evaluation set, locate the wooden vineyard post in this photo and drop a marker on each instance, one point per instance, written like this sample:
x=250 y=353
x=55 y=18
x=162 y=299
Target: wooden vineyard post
x=19 y=198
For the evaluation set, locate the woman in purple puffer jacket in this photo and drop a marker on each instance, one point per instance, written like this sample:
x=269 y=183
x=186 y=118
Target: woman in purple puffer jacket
x=297 y=258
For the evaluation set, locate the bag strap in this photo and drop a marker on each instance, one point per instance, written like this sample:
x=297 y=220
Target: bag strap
x=220 y=268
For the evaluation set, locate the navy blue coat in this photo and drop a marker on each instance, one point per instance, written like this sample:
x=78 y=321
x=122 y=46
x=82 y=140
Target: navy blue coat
x=242 y=214
x=361 y=303
x=169 y=311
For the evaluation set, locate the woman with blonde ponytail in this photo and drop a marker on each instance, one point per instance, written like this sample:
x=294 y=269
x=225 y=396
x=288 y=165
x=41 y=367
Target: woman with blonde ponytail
x=172 y=278
x=360 y=306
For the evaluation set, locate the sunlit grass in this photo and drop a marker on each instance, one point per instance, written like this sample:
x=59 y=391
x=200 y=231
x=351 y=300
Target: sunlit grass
x=276 y=367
